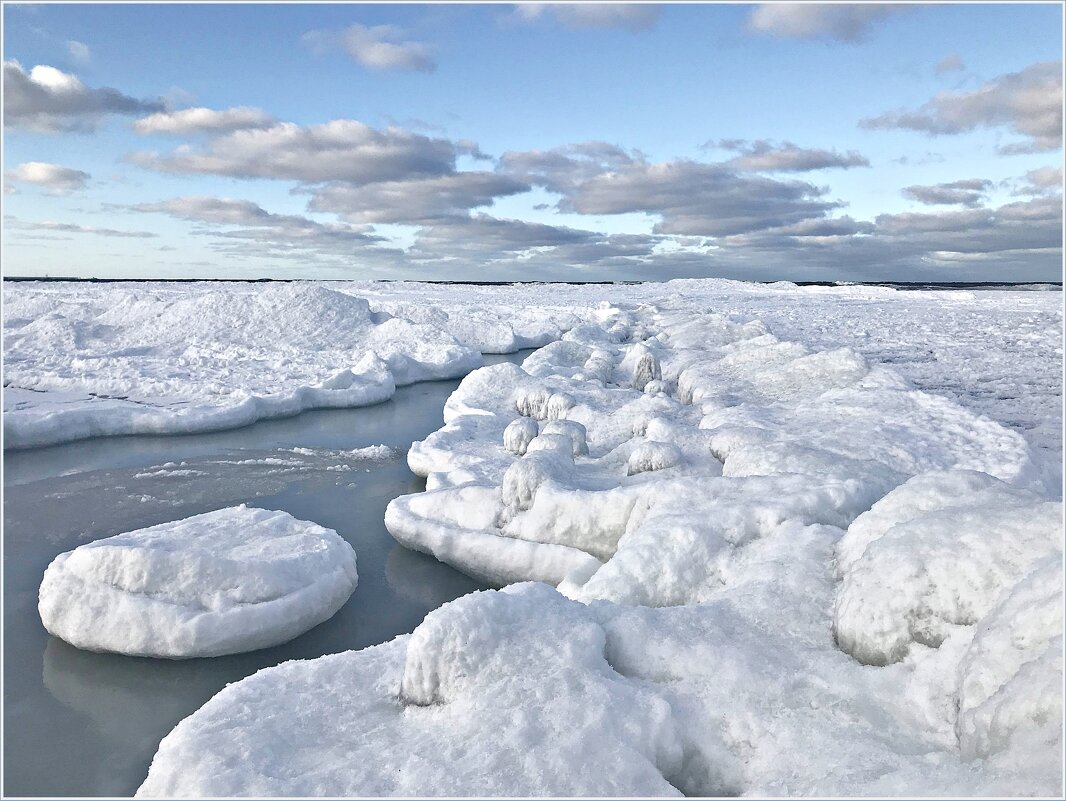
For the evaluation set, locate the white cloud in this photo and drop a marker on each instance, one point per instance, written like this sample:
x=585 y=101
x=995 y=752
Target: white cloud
x=52 y=177
x=950 y=64
x=340 y=150
x=49 y=100
x=632 y=16
x=968 y=192
x=380 y=47
x=201 y=120
x=79 y=51
x=1028 y=102
x=765 y=156
x=841 y=21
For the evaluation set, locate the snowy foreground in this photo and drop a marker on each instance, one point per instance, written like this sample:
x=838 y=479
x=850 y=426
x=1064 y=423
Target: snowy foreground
x=759 y=540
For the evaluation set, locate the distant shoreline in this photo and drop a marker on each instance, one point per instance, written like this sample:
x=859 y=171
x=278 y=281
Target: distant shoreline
x=903 y=285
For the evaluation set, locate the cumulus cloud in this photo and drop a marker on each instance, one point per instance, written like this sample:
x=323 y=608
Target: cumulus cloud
x=950 y=64
x=1028 y=102
x=48 y=100
x=380 y=47
x=968 y=192
x=843 y=22
x=340 y=150
x=416 y=201
x=692 y=198
x=1041 y=181
x=699 y=199
x=204 y=120
x=52 y=177
x=561 y=169
x=765 y=156
x=244 y=228
x=71 y=228
x=79 y=51
x=632 y=16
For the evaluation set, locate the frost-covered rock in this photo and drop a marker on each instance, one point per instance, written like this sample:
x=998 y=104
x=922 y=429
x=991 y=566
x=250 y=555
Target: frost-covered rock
x=927 y=557
x=498 y=693
x=223 y=582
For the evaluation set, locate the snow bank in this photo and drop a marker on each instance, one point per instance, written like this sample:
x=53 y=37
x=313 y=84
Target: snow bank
x=155 y=358
x=935 y=553
x=218 y=583
x=479 y=700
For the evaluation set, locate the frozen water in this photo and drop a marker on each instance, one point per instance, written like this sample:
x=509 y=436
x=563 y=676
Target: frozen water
x=222 y=582
x=718 y=480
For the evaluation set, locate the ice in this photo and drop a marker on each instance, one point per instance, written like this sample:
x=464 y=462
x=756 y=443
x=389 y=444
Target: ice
x=518 y=434
x=158 y=358
x=224 y=582
x=479 y=699
x=936 y=553
x=1010 y=678
x=797 y=541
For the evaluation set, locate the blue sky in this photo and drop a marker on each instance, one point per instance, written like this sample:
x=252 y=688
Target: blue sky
x=538 y=141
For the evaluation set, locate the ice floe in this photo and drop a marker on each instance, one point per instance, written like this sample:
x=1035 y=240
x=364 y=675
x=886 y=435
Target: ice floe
x=223 y=582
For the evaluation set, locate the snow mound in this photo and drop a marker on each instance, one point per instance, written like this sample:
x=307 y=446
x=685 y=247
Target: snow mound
x=158 y=358
x=496 y=694
x=935 y=553
x=223 y=582
x=1010 y=678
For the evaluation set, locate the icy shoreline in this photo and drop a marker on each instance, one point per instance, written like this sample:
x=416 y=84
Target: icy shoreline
x=779 y=571
x=789 y=542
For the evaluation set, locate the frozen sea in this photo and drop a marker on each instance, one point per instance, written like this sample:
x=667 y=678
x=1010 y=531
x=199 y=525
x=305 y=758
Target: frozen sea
x=83 y=723
x=754 y=539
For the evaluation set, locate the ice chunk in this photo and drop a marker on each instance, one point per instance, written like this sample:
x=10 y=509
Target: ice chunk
x=1010 y=678
x=650 y=456
x=571 y=431
x=223 y=582
x=518 y=434
x=933 y=569
x=507 y=694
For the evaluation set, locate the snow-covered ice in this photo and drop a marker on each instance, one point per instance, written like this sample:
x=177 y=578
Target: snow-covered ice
x=222 y=582
x=88 y=360
x=784 y=540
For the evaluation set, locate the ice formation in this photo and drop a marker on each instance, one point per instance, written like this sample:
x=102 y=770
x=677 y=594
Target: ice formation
x=223 y=582
x=156 y=359
x=789 y=541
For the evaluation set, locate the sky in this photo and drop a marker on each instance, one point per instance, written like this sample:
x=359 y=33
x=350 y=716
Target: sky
x=516 y=142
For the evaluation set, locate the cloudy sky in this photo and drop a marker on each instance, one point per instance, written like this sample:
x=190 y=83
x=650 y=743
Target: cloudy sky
x=534 y=141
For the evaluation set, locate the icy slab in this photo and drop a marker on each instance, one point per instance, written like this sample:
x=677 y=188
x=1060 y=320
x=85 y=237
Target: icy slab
x=742 y=433
x=224 y=582
x=495 y=694
x=84 y=360
x=935 y=553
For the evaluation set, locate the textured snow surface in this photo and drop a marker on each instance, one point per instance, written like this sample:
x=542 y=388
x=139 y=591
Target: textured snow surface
x=223 y=582
x=786 y=541
x=94 y=360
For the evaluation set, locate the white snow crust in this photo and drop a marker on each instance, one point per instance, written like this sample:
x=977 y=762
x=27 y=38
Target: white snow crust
x=99 y=360
x=223 y=582
x=784 y=541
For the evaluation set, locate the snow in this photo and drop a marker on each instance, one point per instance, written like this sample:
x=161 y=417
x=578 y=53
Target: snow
x=938 y=552
x=490 y=684
x=156 y=358
x=224 y=582
x=783 y=541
